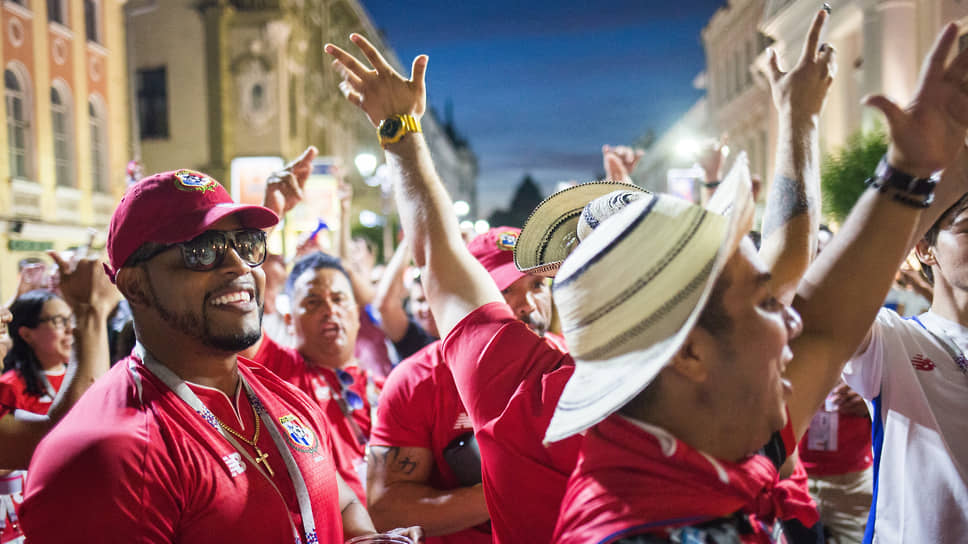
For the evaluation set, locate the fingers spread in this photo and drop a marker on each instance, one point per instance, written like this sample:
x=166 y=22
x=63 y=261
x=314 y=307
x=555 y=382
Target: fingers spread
x=347 y=61
x=371 y=53
x=890 y=110
x=939 y=52
x=419 y=71
x=59 y=261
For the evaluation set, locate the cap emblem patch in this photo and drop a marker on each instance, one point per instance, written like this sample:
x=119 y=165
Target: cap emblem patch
x=188 y=180
x=506 y=241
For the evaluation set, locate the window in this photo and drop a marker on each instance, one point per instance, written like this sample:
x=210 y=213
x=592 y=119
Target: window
x=91 y=21
x=99 y=147
x=18 y=124
x=153 y=103
x=56 y=11
x=60 y=114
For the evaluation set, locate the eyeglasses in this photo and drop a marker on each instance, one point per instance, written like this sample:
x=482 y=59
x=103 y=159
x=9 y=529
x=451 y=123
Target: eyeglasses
x=62 y=322
x=207 y=250
x=353 y=399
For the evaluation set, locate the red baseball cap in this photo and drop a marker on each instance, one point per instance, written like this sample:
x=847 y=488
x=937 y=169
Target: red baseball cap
x=495 y=250
x=173 y=207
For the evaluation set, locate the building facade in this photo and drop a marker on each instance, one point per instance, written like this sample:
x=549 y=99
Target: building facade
x=66 y=116
x=217 y=80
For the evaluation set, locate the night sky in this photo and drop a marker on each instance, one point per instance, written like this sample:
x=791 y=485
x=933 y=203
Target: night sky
x=537 y=87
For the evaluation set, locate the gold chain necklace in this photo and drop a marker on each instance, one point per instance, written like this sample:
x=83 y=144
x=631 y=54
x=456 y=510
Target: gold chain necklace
x=260 y=457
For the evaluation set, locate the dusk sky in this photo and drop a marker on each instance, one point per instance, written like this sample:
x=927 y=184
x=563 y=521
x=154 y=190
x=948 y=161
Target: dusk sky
x=537 y=87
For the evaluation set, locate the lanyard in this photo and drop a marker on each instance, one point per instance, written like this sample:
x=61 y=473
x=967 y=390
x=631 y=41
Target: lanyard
x=50 y=388
x=180 y=388
x=949 y=346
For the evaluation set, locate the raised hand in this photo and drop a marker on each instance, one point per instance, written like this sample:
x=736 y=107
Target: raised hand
x=927 y=135
x=84 y=284
x=620 y=161
x=380 y=92
x=801 y=91
x=284 y=189
x=711 y=157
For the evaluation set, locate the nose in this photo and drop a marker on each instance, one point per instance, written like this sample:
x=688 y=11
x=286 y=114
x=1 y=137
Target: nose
x=233 y=261
x=527 y=304
x=794 y=325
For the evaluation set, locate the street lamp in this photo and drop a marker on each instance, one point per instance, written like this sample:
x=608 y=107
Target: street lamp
x=365 y=164
x=481 y=226
x=462 y=208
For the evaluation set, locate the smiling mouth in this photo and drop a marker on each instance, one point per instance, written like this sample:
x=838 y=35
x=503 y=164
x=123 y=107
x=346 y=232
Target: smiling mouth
x=236 y=297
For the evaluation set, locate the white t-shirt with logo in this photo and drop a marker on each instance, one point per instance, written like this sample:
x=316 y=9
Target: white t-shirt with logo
x=920 y=430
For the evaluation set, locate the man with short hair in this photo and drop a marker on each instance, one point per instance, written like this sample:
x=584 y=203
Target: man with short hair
x=423 y=461
x=184 y=441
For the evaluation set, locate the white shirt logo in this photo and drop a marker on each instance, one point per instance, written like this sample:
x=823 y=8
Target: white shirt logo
x=235 y=464
x=463 y=422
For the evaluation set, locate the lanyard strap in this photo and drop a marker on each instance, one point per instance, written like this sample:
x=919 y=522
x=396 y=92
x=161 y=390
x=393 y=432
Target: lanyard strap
x=50 y=388
x=949 y=346
x=180 y=388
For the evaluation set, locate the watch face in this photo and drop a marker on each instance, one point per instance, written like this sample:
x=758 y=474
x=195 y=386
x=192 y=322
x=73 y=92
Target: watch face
x=390 y=127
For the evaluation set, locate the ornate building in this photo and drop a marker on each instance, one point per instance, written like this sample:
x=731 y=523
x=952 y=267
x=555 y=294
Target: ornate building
x=67 y=122
x=217 y=80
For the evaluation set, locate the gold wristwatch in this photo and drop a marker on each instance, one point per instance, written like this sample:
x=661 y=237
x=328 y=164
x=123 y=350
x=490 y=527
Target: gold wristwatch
x=392 y=129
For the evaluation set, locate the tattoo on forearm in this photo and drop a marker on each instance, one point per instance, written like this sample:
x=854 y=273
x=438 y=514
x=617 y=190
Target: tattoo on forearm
x=389 y=457
x=788 y=200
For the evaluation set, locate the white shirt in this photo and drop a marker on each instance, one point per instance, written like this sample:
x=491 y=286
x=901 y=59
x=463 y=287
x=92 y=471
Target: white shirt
x=920 y=428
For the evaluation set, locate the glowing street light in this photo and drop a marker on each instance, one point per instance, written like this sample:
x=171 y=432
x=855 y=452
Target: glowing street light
x=687 y=148
x=481 y=226
x=462 y=208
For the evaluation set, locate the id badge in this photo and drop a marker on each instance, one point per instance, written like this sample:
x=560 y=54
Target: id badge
x=822 y=435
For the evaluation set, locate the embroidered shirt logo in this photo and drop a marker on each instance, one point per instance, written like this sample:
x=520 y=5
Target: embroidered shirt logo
x=920 y=362
x=506 y=241
x=188 y=180
x=235 y=464
x=463 y=422
x=300 y=437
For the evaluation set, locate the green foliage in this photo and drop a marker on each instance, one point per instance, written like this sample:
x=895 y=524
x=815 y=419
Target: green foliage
x=843 y=172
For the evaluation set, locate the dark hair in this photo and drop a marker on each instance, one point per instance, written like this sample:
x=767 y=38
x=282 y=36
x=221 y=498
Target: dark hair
x=26 y=310
x=714 y=317
x=931 y=237
x=313 y=261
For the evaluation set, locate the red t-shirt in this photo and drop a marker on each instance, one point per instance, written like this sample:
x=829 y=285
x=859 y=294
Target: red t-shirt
x=131 y=462
x=323 y=386
x=13 y=392
x=510 y=380
x=853 y=452
x=420 y=408
x=635 y=479
x=14 y=396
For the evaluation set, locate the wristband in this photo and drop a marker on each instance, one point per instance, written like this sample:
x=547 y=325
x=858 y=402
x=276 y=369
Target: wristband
x=710 y=184
x=906 y=189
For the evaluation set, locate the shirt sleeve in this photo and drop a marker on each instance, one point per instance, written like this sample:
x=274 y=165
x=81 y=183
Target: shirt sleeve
x=864 y=370
x=403 y=415
x=491 y=355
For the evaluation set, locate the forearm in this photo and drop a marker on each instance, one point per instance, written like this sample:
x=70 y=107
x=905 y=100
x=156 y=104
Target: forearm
x=852 y=275
x=92 y=358
x=456 y=283
x=792 y=216
x=356 y=521
x=389 y=294
x=439 y=512
x=20 y=433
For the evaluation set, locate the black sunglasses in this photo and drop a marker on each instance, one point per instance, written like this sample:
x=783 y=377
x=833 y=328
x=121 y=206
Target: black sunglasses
x=207 y=250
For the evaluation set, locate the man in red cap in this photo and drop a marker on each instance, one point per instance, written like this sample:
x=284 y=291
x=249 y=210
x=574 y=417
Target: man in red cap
x=184 y=441
x=424 y=464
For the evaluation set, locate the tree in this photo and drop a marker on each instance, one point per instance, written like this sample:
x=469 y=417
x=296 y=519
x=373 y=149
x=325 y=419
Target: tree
x=843 y=172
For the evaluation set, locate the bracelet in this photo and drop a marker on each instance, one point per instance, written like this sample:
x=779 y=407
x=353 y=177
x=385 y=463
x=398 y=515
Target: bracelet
x=905 y=188
x=915 y=201
x=710 y=184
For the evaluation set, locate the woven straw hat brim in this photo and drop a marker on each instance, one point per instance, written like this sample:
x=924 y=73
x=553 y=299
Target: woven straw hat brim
x=645 y=321
x=550 y=233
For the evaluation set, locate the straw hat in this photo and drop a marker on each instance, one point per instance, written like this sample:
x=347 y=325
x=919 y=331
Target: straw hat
x=559 y=223
x=631 y=292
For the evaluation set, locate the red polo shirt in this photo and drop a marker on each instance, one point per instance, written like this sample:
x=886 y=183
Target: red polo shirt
x=146 y=467
x=323 y=386
x=14 y=395
x=420 y=408
x=510 y=380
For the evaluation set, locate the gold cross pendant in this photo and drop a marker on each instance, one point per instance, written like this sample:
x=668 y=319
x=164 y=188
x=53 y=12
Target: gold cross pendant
x=261 y=458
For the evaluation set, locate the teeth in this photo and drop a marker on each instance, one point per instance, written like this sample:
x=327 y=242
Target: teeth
x=239 y=296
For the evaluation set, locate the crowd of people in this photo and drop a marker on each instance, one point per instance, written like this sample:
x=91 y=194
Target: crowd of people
x=626 y=367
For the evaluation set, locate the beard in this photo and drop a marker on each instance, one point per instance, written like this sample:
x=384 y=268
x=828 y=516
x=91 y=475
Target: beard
x=537 y=322
x=199 y=326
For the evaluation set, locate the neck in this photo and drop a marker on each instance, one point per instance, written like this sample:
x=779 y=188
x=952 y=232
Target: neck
x=325 y=361
x=195 y=363
x=950 y=302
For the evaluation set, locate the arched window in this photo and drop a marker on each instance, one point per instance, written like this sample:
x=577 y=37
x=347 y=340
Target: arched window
x=60 y=115
x=99 y=146
x=19 y=136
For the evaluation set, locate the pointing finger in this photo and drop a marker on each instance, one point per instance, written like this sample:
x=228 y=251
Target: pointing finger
x=813 y=37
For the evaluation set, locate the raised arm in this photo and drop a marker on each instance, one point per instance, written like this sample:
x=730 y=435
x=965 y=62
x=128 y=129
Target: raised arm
x=456 y=282
x=390 y=294
x=793 y=205
x=843 y=289
x=91 y=296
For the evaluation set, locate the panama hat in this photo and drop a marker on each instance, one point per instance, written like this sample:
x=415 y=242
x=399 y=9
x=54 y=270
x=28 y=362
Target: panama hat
x=559 y=223
x=631 y=292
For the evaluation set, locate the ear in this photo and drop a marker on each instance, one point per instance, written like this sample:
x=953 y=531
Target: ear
x=925 y=252
x=693 y=359
x=132 y=282
x=26 y=333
